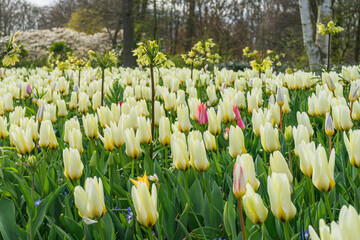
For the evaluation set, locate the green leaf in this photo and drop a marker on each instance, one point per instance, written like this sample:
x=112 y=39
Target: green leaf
x=29 y=201
x=71 y=227
x=8 y=226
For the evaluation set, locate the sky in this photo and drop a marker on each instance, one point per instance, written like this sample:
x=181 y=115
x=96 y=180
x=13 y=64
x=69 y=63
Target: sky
x=41 y=2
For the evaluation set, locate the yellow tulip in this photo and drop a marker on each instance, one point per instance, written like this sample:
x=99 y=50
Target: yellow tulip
x=197 y=151
x=184 y=124
x=8 y=102
x=214 y=122
x=300 y=134
x=352 y=146
x=323 y=174
x=269 y=138
x=132 y=143
x=252 y=100
x=116 y=111
x=280 y=197
x=3 y=128
x=273 y=115
x=145 y=204
x=210 y=142
x=226 y=108
x=96 y=101
x=47 y=135
x=236 y=142
x=84 y=102
x=22 y=139
x=117 y=131
x=307 y=154
x=303 y=119
x=69 y=125
x=164 y=131
x=75 y=139
x=279 y=165
x=90 y=202
x=258 y=119
x=312 y=105
x=355 y=111
x=72 y=164
x=105 y=116
x=159 y=112
x=90 y=124
x=341 y=117
x=211 y=92
x=73 y=101
x=130 y=120
x=108 y=139
x=193 y=106
x=254 y=207
x=144 y=130
x=323 y=103
x=179 y=151
x=16 y=115
x=247 y=163
x=62 y=112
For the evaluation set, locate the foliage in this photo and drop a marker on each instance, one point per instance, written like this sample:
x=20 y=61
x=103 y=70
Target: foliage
x=85 y=20
x=330 y=28
x=148 y=53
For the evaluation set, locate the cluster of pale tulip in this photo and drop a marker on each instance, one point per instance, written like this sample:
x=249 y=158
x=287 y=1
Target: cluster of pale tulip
x=208 y=128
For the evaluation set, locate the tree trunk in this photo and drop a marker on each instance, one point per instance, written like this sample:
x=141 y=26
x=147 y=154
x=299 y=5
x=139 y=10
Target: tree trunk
x=357 y=42
x=155 y=21
x=190 y=25
x=128 y=38
x=316 y=50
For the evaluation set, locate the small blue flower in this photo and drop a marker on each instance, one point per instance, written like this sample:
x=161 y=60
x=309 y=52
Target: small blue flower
x=37 y=203
x=129 y=215
x=305 y=236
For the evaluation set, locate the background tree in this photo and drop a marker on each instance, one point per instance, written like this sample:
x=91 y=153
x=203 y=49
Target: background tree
x=86 y=20
x=128 y=26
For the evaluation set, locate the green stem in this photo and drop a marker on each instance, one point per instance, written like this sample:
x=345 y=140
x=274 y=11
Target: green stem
x=312 y=191
x=204 y=185
x=101 y=233
x=132 y=167
x=166 y=157
x=216 y=159
x=286 y=231
x=328 y=206
x=150 y=233
x=262 y=231
x=241 y=218
x=186 y=182
x=111 y=176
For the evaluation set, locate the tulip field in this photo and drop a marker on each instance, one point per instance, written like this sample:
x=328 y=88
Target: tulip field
x=161 y=152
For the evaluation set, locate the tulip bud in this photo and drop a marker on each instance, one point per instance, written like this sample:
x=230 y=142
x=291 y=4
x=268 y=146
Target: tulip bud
x=201 y=114
x=352 y=148
x=28 y=89
x=3 y=128
x=341 y=117
x=108 y=139
x=240 y=122
x=22 y=139
x=132 y=143
x=210 y=142
x=323 y=175
x=93 y=160
x=90 y=124
x=269 y=138
x=330 y=83
x=279 y=165
x=280 y=97
x=247 y=164
x=300 y=134
x=73 y=166
x=257 y=119
x=75 y=139
x=179 y=151
x=214 y=122
x=236 y=142
x=307 y=153
x=183 y=119
x=164 y=131
x=62 y=112
x=280 y=197
x=239 y=187
x=197 y=151
x=90 y=202
x=288 y=135
x=303 y=119
x=254 y=207
x=47 y=135
x=353 y=94
x=329 y=125
x=144 y=130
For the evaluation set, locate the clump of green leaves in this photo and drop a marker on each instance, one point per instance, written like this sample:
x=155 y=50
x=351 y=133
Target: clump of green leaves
x=201 y=52
x=329 y=28
x=115 y=93
x=148 y=54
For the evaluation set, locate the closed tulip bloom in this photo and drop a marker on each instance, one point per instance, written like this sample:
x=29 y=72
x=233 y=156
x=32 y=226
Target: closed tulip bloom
x=258 y=119
x=73 y=167
x=247 y=163
x=227 y=111
x=90 y=124
x=50 y=113
x=130 y=121
x=144 y=130
x=105 y=116
x=73 y=101
x=75 y=139
x=273 y=115
x=307 y=152
x=341 y=117
x=159 y=112
x=8 y=102
x=164 y=131
x=96 y=100
x=132 y=143
x=22 y=139
x=40 y=113
x=239 y=122
x=280 y=197
x=16 y=115
x=236 y=142
x=254 y=206
x=303 y=119
x=145 y=204
x=193 y=104
x=84 y=102
x=323 y=174
x=197 y=149
x=69 y=125
x=90 y=202
x=329 y=125
x=352 y=146
x=349 y=223
x=239 y=184
x=354 y=93
x=1 y=107
x=183 y=119
x=252 y=101
x=278 y=165
x=269 y=138
x=280 y=97
x=169 y=99
x=116 y=111
x=47 y=135
x=108 y=139
x=312 y=105
x=62 y=112
x=300 y=134
x=356 y=111
x=117 y=131
x=210 y=142
x=214 y=122
x=179 y=151
x=3 y=128
x=323 y=103
x=201 y=114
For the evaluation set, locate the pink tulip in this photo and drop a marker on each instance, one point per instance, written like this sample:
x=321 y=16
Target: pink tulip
x=226 y=133
x=240 y=122
x=201 y=114
x=239 y=187
x=28 y=89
